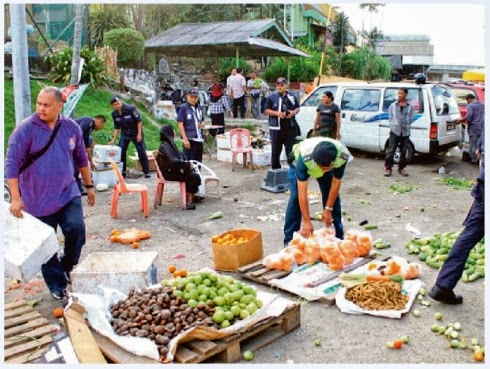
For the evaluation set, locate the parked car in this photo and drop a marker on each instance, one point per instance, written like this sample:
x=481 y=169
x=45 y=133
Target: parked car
x=460 y=90
x=364 y=115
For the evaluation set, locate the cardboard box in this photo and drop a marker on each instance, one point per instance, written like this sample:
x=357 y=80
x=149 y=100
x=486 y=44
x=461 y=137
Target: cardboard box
x=152 y=161
x=230 y=258
x=119 y=270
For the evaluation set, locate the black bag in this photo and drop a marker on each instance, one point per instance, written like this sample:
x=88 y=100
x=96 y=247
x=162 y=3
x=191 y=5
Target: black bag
x=30 y=160
x=255 y=95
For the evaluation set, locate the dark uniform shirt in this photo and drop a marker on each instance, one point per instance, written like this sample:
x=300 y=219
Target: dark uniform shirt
x=87 y=125
x=128 y=121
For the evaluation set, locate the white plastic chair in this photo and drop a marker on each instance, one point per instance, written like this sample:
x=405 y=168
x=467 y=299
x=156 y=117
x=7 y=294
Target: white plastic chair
x=207 y=175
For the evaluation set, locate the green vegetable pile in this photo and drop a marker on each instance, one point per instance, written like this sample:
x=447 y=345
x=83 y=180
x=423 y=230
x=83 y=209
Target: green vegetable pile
x=232 y=300
x=435 y=250
x=458 y=183
x=400 y=187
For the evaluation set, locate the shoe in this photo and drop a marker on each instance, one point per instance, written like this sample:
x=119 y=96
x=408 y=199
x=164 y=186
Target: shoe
x=59 y=295
x=67 y=277
x=197 y=199
x=387 y=172
x=148 y=175
x=445 y=296
x=190 y=207
x=402 y=172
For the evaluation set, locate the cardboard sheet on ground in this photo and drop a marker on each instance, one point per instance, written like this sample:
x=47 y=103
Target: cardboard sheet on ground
x=296 y=282
x=97 y=312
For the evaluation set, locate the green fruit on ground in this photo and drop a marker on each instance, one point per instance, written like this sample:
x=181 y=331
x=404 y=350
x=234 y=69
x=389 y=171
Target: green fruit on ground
x=203 y=297
x=229 y=298
x=223 y=291
x=190 y=286
x=212 y=294
x=177 y=293
x=317 y=342
x=249 y=290
x=437 y=316
x=259 y=303
x=229 y=315
x=194 y=295
x=248 y=355
x=247 y=299
x=206 y=282
x=219 y=316
x=225 y=324
x=252 y=308
x=213 y=278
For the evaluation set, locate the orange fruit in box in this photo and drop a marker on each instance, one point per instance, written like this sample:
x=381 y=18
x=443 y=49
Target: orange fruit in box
x=214 y=239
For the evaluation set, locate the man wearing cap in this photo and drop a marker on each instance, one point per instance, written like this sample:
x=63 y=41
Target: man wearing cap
x=475 y=117
x=190 y=119
x=88 y=124
x=281 y=107
x=127 y=120
x=325 y=159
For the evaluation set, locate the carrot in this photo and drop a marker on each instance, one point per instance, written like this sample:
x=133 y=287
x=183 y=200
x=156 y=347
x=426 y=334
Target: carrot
x=384 y=278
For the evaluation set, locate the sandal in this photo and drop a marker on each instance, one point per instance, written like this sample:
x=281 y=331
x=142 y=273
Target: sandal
x=190 y=207
x=387 y=172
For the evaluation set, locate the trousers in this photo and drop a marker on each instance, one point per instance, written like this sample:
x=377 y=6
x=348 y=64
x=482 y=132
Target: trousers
x=70 y=219
x=140 y=148
x=474 y=231
x=393 y=142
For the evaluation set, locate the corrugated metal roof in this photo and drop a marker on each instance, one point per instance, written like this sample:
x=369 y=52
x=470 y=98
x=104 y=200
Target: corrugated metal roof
x=263 y=37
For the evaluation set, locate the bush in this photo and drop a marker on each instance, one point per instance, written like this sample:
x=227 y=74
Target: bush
x=130 y=45
x=93 y=71
x=103 y=20
x=227 y=63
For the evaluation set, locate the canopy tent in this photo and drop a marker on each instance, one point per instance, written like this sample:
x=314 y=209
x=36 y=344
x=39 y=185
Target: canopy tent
x=474 y=75
x=263 y=37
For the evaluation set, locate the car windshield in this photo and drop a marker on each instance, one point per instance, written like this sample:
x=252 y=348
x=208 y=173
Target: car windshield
x=444 y=100
x=316 y=96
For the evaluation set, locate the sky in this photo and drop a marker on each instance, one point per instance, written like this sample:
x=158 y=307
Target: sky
x=456 y=30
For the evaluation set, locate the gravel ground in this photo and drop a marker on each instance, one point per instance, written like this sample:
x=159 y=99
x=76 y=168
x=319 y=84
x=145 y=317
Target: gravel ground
x=347 y=339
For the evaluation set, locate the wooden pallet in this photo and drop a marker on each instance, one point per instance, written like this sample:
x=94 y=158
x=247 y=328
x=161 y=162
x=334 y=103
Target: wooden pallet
x=27 y=335
x=226 y=350
x=257 y=272
x=230 y=349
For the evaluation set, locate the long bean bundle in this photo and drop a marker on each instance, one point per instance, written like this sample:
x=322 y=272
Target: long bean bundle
x=382 y=295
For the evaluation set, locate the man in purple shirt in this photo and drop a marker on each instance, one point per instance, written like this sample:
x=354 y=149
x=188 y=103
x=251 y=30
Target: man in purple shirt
x=46 y=188
x=475 y=118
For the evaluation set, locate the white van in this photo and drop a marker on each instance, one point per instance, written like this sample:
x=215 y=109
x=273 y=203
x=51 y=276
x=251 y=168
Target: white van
x=365 y=120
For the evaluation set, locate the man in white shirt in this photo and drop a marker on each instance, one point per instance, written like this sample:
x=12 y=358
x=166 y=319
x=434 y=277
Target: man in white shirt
x=238 y=92
x=228 y=85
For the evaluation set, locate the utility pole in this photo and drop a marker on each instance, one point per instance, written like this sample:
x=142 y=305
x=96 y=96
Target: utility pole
x=77 y=43
x=20 y=63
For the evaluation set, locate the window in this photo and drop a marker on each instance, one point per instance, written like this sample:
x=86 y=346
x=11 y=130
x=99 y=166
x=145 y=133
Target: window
x=316 y=96
x=460 y=95
x=414 y=97
x=444 y=100
x=360 y=100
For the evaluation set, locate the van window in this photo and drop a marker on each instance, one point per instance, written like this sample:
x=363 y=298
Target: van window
x=444 y=100
x=360 y=100
x=460 y=95
x=414 y=97
x=315 y=98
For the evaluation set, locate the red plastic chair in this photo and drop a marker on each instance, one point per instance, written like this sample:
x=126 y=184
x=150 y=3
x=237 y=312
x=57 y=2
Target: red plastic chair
x=123 y=187
x=240 y=142
x=160 y=187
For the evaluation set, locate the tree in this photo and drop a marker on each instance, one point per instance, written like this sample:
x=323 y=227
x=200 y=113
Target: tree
x=105 y=17
x=373 y=37
x=371 y=8
x=340 y=32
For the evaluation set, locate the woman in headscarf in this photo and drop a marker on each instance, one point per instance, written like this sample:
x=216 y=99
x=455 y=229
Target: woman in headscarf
x=217 y=106
x=174 y=165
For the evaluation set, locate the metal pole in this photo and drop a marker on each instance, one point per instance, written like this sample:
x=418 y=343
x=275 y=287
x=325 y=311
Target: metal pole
x=327 y=34
x=20 y=63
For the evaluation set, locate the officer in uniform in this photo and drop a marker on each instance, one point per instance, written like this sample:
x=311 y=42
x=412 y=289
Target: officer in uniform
x=127 y=119
x=281 y=107
x=325 y=159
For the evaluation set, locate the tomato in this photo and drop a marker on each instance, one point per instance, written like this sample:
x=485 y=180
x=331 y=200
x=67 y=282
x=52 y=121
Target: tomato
x=398 y=343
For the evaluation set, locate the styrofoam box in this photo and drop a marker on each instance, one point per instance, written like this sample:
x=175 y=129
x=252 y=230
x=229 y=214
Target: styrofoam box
x=29 y=243
x=119 y=270
x=107 y=153
x=261 y=157
x=164 y=109
x=106 y=176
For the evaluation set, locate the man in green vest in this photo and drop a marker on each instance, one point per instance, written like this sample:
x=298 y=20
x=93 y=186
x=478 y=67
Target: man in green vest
x=324 y=159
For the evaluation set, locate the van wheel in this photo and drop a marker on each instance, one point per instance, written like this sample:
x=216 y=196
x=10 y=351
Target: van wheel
x=409 y=154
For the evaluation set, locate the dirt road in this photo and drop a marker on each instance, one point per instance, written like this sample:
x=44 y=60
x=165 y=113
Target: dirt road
x=365 y=196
